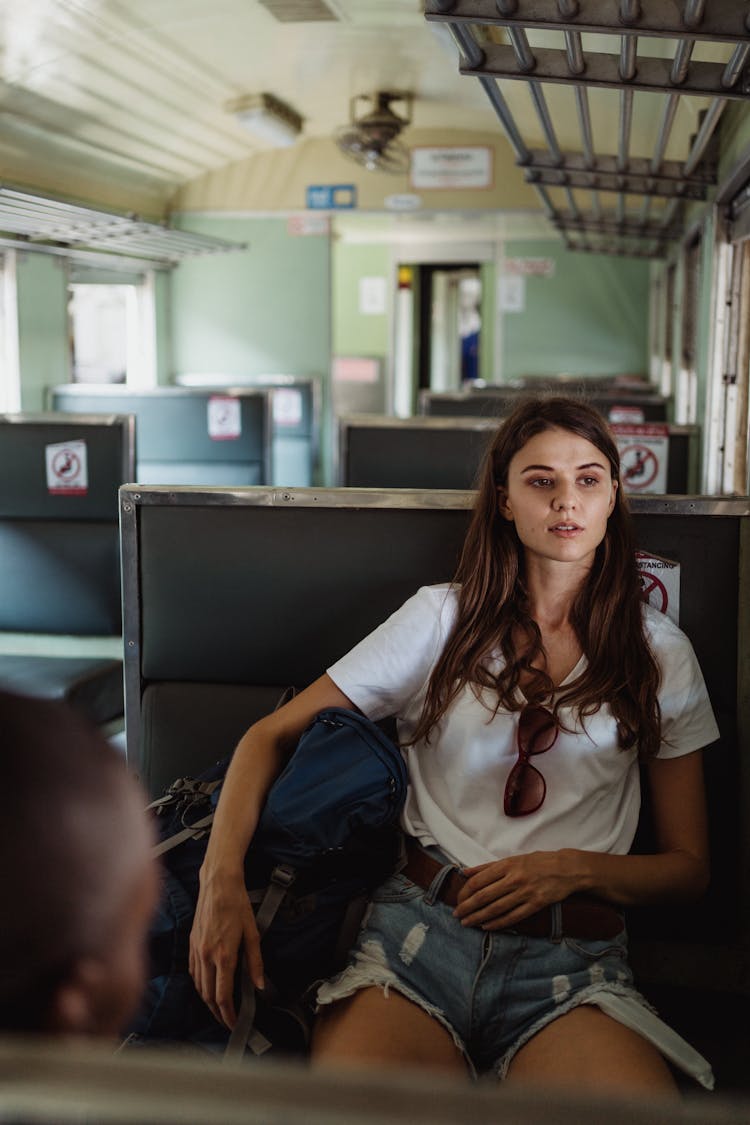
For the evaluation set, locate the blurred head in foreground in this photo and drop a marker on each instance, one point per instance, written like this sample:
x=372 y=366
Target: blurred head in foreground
x=77 y=882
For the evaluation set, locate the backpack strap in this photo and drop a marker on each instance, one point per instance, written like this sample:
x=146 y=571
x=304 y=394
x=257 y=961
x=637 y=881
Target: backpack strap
x=188 y=790
x=190 y=832
x=244 y=1034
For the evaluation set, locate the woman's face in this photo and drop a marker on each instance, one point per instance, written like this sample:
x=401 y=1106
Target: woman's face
x=560 y=494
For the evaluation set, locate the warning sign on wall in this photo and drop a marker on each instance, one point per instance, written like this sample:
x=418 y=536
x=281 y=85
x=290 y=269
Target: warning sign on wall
x=644 y=452
x=633 y=414
x=224 y=418
x=660 y=584
x=67 y=468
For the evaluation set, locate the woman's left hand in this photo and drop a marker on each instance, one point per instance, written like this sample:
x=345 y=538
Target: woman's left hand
x=503 y=892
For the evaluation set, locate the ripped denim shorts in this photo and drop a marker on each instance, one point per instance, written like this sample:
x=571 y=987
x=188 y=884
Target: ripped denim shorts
x=493 y=991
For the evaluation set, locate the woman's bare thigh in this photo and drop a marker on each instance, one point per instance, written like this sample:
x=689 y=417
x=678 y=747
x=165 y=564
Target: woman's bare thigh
x=590 y=1051
x=370 y=1027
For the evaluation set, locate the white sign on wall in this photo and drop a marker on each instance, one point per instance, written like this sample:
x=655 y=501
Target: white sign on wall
x=372 y=296
x=512 y=293
x=450 y=166
x=644 y=452
x=67 y=468
x=530 y=267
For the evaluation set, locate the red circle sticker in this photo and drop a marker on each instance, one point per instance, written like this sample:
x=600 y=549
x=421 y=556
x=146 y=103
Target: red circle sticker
x=66 y=465
x=653 y=591
x=639 y=466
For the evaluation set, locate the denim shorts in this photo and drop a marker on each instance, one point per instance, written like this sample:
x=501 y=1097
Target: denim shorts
x=493 y=991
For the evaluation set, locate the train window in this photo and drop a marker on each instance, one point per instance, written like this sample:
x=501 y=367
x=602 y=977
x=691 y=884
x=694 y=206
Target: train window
x=669 y=319
x=111 y=331
x=736 y=371
x=686 y=391
x=10 y=371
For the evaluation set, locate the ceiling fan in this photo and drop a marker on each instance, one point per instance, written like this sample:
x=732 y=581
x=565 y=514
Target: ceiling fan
x=372 y=138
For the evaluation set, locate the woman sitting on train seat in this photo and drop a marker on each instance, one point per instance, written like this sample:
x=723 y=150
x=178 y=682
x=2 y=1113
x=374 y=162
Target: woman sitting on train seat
x=527 y=692
x=77 y=879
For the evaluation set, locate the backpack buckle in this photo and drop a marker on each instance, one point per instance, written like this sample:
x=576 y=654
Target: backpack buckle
x=283 y=876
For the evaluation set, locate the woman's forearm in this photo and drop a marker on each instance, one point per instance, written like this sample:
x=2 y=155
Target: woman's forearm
x=632 y=879
x=255 y=764
x=261 y=754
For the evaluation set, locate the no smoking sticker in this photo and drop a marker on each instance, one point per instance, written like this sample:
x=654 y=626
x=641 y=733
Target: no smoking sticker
x=224 y=418
x=644 y=451
x=67 y=468
x=660 y=584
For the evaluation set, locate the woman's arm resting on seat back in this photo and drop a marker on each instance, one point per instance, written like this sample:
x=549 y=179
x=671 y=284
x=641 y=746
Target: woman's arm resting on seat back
x=501 y=893
x=224 y=920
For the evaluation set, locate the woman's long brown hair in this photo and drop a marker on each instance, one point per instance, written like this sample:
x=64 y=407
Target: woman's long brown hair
x=493 y=607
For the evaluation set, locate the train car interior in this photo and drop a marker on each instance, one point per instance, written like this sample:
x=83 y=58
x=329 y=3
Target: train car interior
x=272 y=272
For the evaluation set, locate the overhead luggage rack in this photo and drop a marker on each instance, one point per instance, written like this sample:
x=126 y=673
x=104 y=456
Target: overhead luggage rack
x=619 y=46
x=52 y=225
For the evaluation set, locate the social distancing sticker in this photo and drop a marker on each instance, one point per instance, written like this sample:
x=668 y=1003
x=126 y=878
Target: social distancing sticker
x=67 y=468
x=224 y=418
x=644 y=454
x=660 y=584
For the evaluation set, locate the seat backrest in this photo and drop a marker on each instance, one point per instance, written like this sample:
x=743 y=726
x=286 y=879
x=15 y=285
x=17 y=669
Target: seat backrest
x=488 y=402
x=59 y=534
x=187 y=435
x=378 y=451
x=295 y=420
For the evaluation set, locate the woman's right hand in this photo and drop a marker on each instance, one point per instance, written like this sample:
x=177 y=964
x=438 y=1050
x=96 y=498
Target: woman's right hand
x=223 y=930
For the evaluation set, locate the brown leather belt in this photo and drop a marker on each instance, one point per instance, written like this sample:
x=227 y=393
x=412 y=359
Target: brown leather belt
x=582 y=916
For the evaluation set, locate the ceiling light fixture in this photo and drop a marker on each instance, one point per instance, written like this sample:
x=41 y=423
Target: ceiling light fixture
x=267 y=118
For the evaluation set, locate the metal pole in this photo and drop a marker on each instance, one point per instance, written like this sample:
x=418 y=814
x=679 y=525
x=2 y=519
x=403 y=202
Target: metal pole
x=467 y=44
x=681 y=64
x=693 y=14
x=544 y=196
x=628 y=52
x=630 y=11
x=710 y=121
x=524 y=54
x=626 y=120
x=499 y=104
x=574 y=51
x=575 y=213
x=584 y=118
x=665 y=128
x=734 y=67
x=537 y=96
x=669 y=212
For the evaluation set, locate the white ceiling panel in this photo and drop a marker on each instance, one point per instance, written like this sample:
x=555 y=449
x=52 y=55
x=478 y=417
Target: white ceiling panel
x=140 y=87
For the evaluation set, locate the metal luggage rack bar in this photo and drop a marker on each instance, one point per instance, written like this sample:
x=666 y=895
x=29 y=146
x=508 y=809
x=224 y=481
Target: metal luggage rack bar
x=492 y=37
x=38 y=219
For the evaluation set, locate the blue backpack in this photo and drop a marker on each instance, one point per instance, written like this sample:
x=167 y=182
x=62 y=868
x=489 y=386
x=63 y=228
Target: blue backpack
x=327 y=835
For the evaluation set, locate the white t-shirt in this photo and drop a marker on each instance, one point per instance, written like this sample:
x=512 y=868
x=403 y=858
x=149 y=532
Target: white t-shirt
x=457 y=782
